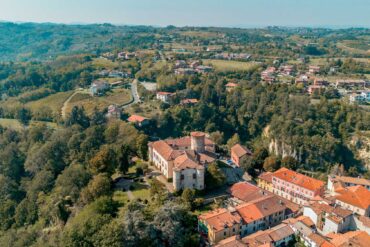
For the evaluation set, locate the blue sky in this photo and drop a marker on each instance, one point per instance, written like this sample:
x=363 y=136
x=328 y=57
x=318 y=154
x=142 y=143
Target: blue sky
x=240 y=13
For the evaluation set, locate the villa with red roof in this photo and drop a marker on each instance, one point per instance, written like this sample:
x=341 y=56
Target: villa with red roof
x=296 y=187
x=165 y=96
x=138 y=120
x=183 y=160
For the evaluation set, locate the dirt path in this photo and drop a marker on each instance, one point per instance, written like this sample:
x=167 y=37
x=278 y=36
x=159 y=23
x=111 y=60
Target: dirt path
x=65 y=104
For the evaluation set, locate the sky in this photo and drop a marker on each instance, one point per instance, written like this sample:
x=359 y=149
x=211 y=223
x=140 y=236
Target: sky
x=228 y=13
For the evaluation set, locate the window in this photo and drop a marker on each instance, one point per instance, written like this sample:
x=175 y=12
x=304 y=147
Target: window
x=182 y=177
x=194 y=176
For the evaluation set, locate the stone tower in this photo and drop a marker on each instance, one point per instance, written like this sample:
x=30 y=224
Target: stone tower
x=198 y=141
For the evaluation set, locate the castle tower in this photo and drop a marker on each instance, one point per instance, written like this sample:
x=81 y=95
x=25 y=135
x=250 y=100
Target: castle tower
x=198 y=141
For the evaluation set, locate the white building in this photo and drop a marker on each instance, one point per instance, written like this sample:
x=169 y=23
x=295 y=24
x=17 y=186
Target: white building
x=165 y=96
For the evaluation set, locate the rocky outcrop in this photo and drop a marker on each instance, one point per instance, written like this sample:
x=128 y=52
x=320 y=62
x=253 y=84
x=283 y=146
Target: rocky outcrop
x=360 y=144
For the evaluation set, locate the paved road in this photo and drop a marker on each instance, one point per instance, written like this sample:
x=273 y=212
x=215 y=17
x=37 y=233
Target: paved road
x=134 y=94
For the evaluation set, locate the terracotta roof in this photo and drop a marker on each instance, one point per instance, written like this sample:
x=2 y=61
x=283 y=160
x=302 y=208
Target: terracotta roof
x=230 y=84
x=197 y=134
x=136 y=119
x=240 y=150
x=298 y=179
x=185 y=161
x=266 y=176
x=164 y=93
x=165 y=150
x=247 y=191
x=233 y=241
x=356 y=195
x=351 y=180
x=316 y=238
x=186 y=142
x=260 y=208
x=354 y=238
x=269 y=236
x=220 y=218
x=304 y=219
x=189 y=101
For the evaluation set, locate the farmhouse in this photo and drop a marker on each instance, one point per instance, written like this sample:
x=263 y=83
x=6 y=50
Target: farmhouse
x=139 y=121
x=165 y=96
x=238 y=152
x=98 y=87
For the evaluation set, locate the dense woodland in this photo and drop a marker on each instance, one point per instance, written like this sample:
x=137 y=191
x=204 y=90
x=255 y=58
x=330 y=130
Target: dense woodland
x=57 y=184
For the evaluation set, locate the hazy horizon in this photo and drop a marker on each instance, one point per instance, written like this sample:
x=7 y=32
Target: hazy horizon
x=205 y=13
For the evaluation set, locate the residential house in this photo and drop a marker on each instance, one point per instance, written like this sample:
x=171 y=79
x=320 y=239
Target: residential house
x=189 y=102
x=296 y=187
x=98 y=87
x=277 y=236
x=243 y=192
x=219 y=224
x=329 y=218
x=313 y=69
x=354 y=198
x=336 y=182
x=315 y=89
x=203 y=69
x=180 y=64
x=183 y=160
x=286 y=69
x=238 y=152
x=165 y=96
x=264 y=181
x=230 y=86
x=184 y=71
x=139 y=121
x=353 y=238
x=351 y=83
x=261 y=213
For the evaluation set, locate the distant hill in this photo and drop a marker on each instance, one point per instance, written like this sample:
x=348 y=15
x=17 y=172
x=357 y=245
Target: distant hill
x=30 y=41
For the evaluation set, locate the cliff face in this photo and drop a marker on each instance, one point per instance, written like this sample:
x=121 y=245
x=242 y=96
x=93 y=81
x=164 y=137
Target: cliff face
x=279 y=147
x=360 y=144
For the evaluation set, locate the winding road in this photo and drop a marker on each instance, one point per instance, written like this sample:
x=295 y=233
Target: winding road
x=134 y=94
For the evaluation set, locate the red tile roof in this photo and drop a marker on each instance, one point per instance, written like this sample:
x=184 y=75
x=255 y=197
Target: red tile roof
x=220 y=218
x=240 y=150
x=298 y=179
x=136 y=119
x=260 y=208
x=230 y=84
x=266 y=176
x=247 y=192
x=356 y=195
x=354 y=238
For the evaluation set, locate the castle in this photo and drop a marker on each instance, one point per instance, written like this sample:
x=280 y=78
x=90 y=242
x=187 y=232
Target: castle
x=183 y=160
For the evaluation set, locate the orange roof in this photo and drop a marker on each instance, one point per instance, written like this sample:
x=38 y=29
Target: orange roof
x=231 y=84
x=240 y=150
x=247 y=191
x=351 y=180
x=197 y=134
x=164 y=150
x=298 y=179
x=354 y=238
x=220 y=218
x=185 y=161
x=266 y=176
x=164 y=93
x=356 y=195
x=260 y=208
x=233 y=241
x=136 y=119
x=189 y=101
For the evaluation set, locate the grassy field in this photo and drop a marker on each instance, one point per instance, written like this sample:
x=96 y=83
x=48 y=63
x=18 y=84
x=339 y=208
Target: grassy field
x=54 y=102
x=117 y=96
x=16 y=125
x=149 y=109
x=227 y=66
x=101 y=63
